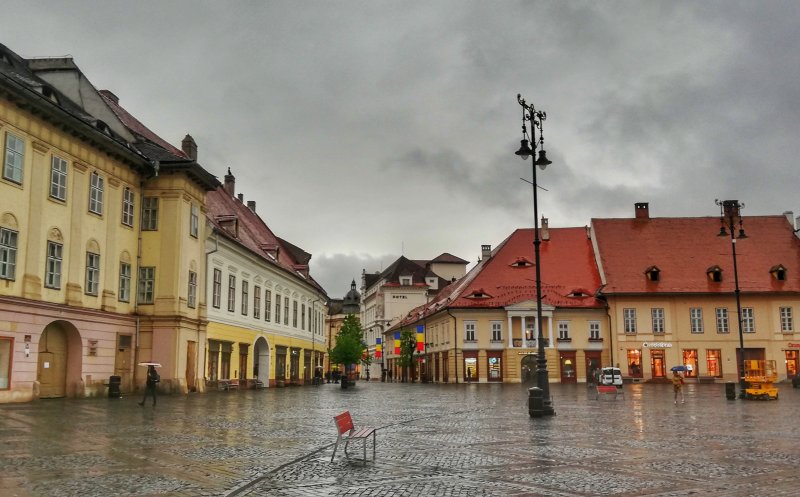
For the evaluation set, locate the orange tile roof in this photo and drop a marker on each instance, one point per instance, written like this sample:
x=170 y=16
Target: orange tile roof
x=683 y=249
x=568 y=268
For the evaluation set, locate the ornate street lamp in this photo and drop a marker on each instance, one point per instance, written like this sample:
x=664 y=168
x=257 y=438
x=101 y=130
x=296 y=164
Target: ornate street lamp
x=544 y=405
x=729 y=217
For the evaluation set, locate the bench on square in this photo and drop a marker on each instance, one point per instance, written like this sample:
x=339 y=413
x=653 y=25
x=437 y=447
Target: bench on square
x=228 y=385
x=346 y=432
x=609 y=390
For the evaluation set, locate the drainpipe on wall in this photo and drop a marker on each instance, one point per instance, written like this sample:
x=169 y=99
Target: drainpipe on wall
x=203 y=376
x=455 y=343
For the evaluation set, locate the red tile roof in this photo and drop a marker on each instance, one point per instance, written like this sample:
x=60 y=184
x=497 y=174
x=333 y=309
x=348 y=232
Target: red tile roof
x=683 y=249
x=136 y=126
x=568 y=268
x=253 y=233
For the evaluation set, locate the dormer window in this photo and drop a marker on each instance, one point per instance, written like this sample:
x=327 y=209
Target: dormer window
x=229 y=223
x=579 y=293
x=478 y=294
x=271 y=249
x=653 y=273
x=714 y=274
x=50 y=94
x=778 y=272
x=405 y=280
x=521 y=262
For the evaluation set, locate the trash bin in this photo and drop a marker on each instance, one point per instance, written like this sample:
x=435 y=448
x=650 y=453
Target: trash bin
x=730 y=390
x=535 y=402
x=113 y=387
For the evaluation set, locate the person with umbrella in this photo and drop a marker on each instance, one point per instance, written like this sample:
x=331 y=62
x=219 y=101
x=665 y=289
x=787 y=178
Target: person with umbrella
x=677 y=384
x=150 y=384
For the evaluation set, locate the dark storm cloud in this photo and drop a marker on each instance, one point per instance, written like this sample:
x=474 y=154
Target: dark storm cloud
x=379 y=127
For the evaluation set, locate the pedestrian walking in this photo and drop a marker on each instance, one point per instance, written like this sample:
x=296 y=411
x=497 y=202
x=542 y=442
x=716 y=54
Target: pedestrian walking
x=150 y=384
x=677 y=386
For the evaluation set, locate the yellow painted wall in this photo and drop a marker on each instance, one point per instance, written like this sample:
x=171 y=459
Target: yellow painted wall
x=39 y=217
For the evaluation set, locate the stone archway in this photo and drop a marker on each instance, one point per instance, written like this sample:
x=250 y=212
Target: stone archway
x=58 y=368
x=261 y=363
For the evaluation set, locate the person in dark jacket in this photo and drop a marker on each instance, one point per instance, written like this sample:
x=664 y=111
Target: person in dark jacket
x=150 y=384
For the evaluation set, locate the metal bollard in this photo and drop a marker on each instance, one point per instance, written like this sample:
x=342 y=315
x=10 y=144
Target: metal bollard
x=535 y=402
x=730 y=390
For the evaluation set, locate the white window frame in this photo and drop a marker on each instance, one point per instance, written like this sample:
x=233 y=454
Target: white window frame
x=286 y=310
x=231 y=293
x=146 y=285
x=128 y=204
x=497 y=331
x=92 y=274
x=470 y=330
x=256 y=302
x=629 y=320
x=563 y=330
x=124 y=294
x=14 y=162
x=55 y=258
x=278 y=304
x=722 y=319
x=267 y=305
x=748 y=320
x=657 y=317
x=191 y=297
x=696 y=319
x=216 y=289
x=150 y=214
x=194 y=221
x=594 y=330
x=58 y=178
x=96 y=187
x=787 y=320
x=245 y=296
x=8 y=254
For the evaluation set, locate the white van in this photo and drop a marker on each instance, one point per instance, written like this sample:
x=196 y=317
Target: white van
x=611 y=376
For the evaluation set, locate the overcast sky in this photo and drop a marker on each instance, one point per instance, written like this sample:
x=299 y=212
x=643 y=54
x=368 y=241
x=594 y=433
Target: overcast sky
x=367 y=129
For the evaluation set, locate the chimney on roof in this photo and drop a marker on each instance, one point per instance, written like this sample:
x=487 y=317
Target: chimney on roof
x=486 y=251
x=545 y=232
x=189 y=147
x=230 y=183
x=109 y=95
x=241 y=198
x=642 y=210
x=251 y=204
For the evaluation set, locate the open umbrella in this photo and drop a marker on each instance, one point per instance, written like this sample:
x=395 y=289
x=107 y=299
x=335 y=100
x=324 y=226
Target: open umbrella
x=679 y=368
x=156 y=364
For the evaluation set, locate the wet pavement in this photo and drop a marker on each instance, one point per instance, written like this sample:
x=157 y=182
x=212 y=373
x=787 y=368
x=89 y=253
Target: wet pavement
x=433 y=440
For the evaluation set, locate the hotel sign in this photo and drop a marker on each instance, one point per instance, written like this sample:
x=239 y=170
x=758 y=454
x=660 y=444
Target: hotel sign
x=657 y=345
x=793 y=345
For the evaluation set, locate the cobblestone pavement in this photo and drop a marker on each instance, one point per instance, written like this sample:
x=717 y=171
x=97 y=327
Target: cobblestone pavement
x=433 y=440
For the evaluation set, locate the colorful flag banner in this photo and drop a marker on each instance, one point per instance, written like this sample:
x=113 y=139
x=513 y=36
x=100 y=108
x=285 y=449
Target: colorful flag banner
x=378 y=348
x=420 y=338
x=396 y=343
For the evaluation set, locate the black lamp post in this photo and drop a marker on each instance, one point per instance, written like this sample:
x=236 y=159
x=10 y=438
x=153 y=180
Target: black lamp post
x=729 y=217
x=536 y=118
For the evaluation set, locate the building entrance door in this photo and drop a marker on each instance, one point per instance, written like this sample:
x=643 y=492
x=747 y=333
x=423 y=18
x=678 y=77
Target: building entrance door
x=568 y=371
x=51 y=370
x=592 y=365
x=657 y=367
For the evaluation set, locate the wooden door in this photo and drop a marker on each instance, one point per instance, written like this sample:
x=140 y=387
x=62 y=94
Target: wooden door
x=51 y=370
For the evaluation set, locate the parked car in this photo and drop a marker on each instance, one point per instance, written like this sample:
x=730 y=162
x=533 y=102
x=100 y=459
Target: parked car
x=796 y=381
x=611 y=376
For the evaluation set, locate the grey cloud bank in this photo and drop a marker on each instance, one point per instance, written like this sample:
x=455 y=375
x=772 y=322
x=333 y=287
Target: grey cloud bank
x=367 y=129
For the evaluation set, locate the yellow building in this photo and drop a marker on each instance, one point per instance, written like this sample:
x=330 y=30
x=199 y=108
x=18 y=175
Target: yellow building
x=482 y=328
x=102 y=247
x=267 y=313
x=69 y=194
x=670 y=284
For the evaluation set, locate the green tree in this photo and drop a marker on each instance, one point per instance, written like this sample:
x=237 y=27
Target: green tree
x=408 y=344
x=349 y=348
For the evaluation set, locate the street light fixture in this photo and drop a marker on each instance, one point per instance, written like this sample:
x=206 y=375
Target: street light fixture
x=729 y=217
x=536 y=118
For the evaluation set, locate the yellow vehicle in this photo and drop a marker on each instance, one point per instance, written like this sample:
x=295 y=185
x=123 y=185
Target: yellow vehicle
x=760 y=376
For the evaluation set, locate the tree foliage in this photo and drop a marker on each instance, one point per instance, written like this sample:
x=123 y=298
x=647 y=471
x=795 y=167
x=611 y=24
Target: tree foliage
x=349 y=347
